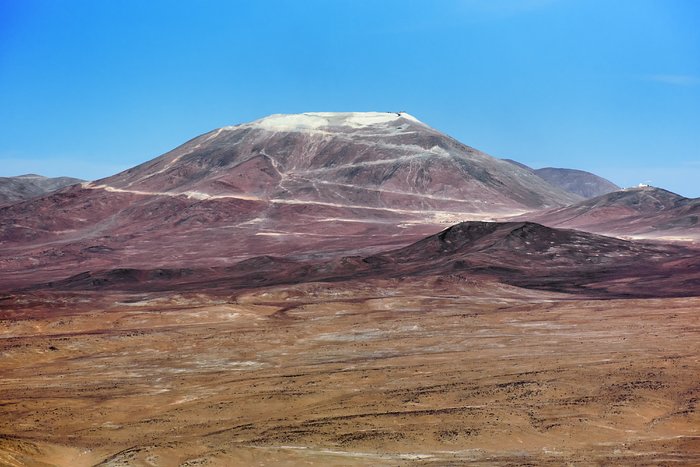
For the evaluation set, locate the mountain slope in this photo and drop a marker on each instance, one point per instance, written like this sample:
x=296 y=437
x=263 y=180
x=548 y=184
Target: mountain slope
x=643 y=212
x=519 y=164
x=24 y=187
x=308 y=185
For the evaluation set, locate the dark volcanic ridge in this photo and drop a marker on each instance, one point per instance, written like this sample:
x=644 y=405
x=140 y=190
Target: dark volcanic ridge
x=521 y=254
x=645 y=212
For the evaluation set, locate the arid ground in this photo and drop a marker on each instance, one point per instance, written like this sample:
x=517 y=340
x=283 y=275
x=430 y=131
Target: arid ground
x=334 y=289
x=376 y=372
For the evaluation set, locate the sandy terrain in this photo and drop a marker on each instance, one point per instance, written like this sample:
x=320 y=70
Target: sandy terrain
x=371 y=373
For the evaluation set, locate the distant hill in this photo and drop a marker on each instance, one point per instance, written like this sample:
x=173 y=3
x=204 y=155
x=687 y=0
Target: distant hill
x=24 y=187
x=645 y=211
x=579 y=182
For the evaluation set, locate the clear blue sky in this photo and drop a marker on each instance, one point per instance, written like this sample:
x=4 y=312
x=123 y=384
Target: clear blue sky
x=88 y=88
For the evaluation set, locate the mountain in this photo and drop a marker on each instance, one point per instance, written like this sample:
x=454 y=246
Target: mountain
x=645 y=212
x=309 y=184
x=379 y=160
x=579 y=182
x=23 y=187
x=522 y=254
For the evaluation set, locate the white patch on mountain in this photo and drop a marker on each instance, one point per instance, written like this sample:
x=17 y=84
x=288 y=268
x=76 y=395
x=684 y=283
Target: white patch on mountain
x=317 y=121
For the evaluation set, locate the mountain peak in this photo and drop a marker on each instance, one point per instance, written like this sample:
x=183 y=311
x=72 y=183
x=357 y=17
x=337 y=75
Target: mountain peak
x=310 y=121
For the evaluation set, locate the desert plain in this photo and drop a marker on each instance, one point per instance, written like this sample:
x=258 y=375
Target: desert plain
x=450 y=371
